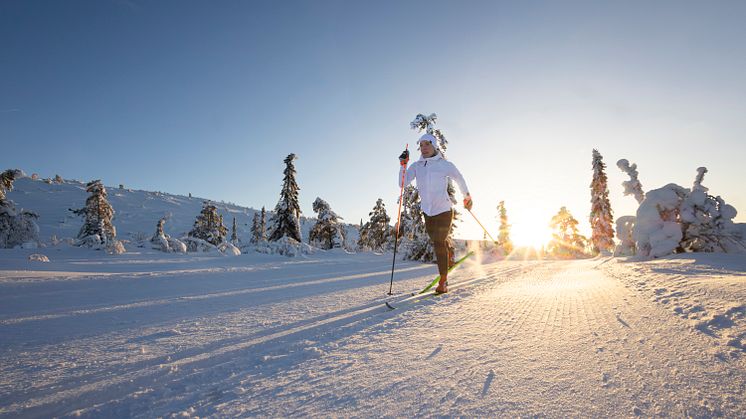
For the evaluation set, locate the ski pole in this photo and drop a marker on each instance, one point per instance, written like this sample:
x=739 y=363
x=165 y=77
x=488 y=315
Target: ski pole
x=480 y=225
x=398 y=219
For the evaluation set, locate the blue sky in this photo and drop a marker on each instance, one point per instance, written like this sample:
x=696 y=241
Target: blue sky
x=209 y=97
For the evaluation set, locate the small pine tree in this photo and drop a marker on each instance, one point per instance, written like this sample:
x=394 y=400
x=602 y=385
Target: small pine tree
x=97 y=228
x=208 y=225
x=256 y=234
x=566 y=241
x=601 y=218
x=327 y=233
x=503 y=236
x=286 y=219
x=419 y=246
x=234 y=233
x=263 y=225
x=376 y=232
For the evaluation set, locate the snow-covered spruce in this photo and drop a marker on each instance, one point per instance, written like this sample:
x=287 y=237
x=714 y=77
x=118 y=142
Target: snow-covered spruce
x=624 y=232
x=566 y=241
x=234 y=234
x=416 y=243
x=327 y=233
x=165 y=243
x=375 y=234
x=98 y=230
x=286 y=218
x=286 y=246
x=601 y=218
x=17 y=228
x=208 y=227
x=504 y=242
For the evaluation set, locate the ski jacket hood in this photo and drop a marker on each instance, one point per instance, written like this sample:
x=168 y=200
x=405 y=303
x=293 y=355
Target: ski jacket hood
x=432 y=174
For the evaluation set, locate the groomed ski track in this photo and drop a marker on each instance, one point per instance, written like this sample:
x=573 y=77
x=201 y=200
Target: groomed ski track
x=512 y=338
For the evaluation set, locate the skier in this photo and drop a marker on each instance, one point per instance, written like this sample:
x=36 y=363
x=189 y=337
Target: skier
x=432 y=171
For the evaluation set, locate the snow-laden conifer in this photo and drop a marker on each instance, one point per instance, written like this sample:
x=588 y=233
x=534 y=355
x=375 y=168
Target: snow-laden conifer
x=327 y=233
x=208 y=226
x=633 y=185
x=256 y=235
x=417 y=243
x=566 y=241
x=17 y=228
x=375 y=234
x=234 y=233
x=98 y=230
x=601 y=218
x=286 y=218
x=503 y=235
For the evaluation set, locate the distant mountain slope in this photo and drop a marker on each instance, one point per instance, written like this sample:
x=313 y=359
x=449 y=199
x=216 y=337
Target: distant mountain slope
x=137 y=211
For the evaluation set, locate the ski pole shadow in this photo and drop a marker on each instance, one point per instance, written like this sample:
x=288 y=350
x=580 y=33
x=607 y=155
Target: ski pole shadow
x=488 y=383
x=435 y=352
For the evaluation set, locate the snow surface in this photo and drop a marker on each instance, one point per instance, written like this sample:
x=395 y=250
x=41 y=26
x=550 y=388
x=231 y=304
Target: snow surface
x=150 y=334
x=154 y=334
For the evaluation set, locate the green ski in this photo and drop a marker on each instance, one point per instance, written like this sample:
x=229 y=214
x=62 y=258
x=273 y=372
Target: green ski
x=435 y=281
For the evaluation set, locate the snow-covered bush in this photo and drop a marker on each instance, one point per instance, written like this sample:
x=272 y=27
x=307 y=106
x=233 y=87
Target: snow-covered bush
x=17 y=228
x=229 y=249
x=624 y=228
x=165 y=243
x=194 y=244
x=674 y=219
x=286 y=246
x=38 y=257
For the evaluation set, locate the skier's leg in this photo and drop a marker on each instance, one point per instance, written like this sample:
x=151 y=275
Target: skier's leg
x=438 y=228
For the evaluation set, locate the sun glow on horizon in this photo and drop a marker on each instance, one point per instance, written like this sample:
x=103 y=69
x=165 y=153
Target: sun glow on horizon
x=533 y=235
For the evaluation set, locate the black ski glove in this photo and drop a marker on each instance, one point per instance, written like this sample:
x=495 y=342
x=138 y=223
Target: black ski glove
x=404 y=158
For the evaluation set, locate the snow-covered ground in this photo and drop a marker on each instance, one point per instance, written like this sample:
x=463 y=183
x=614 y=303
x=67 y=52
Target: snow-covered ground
x=149 y=334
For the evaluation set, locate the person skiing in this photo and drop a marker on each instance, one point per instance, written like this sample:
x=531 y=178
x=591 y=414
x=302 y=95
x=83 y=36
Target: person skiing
x=432 y=171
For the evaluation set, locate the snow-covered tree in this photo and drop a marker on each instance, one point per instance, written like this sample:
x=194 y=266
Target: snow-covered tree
x=286 y=219
x=263 y=225
x=566 y=241
x=601 y=218
x=417 y=243
x=256 y=235
x=674 y=219
x=503 y=235
x=208 y=225
x=58 y=179
x=165 y=243
x=17 y=228
x=375 y=234
x=633 y=185
x=327 y=233
x=234 y=233
x=98 y=230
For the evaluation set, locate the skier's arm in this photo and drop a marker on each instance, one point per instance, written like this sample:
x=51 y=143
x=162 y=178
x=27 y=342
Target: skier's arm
x=459 y=179
x=406 y=174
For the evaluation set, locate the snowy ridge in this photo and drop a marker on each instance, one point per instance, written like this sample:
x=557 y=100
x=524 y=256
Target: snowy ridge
x=137 y=211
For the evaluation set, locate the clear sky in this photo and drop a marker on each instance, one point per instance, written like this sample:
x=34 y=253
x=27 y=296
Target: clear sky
x=209 y=97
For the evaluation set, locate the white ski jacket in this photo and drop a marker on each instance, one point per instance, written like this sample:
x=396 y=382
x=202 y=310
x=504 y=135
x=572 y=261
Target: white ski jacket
x=432 y=182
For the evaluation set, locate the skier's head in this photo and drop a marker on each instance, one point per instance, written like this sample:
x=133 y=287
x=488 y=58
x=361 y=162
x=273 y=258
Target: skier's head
x=428 y=145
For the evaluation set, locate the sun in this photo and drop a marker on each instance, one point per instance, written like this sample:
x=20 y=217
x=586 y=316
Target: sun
x=530 y=234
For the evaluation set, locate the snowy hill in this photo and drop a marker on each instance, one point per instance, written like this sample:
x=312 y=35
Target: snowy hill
x=137 y=211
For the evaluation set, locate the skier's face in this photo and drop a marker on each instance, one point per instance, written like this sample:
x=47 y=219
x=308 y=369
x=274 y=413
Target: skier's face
x=427 y=149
